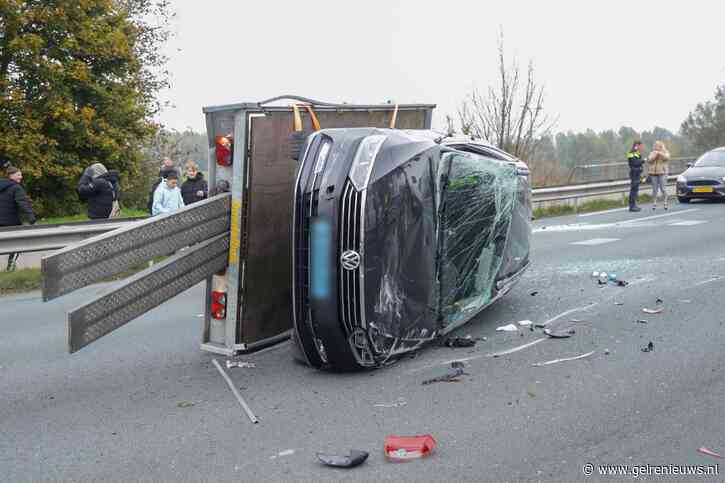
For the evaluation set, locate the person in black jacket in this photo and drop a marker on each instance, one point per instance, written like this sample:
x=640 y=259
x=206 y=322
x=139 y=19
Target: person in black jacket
x=195 y=188
x=13 y=200
x=99 y=188
x=635 y=161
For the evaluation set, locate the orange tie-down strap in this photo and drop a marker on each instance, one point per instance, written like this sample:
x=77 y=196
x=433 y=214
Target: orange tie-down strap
x=395 y=117
x=297 y=118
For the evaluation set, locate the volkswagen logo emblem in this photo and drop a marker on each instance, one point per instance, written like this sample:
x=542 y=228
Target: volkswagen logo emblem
x=350 y=260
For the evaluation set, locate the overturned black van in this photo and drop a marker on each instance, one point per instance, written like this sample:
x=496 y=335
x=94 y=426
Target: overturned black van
x=399 y=237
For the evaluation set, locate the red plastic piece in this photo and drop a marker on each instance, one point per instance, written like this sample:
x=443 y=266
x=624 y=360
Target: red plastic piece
x=219 y=305
x=224 y=145
x=405 y=448
x=709 y=452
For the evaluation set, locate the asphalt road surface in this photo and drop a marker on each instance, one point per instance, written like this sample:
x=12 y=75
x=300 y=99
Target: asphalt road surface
x=145 y=404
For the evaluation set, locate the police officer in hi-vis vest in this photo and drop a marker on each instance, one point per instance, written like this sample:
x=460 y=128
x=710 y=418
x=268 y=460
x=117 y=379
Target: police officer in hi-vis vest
x=634 y=158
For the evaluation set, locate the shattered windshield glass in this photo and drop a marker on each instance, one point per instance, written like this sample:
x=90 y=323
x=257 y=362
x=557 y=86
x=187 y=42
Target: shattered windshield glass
x=436 y=243
x=475 y=216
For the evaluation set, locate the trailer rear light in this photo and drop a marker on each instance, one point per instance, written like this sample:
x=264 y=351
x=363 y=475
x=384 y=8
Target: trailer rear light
x=219 y=305
x=224 y=150
x=403 y=448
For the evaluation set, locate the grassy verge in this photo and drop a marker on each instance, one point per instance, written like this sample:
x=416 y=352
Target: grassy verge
x=28 y=279
x=587 y=207
x=19 y=281
x=125 y=213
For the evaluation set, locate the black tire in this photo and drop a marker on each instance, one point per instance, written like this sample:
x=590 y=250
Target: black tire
x=683 y=200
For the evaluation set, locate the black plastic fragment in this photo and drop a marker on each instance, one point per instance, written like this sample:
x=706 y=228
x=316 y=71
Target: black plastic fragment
x=560 y=334
x=454 y=376
x=355 y=458
x=649 y=347
x=459 y=342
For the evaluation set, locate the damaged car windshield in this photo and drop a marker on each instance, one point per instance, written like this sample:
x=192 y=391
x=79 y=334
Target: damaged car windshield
x=475 y=215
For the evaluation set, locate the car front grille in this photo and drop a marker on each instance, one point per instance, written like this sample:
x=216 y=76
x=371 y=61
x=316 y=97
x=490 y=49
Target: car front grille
x=301 y=247
x=702 y=182
x=349 y=281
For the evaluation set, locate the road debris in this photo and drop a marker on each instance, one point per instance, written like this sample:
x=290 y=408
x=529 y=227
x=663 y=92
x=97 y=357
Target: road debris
x=618 y=303
x=641 y=321
x=656 y=311
x=606 y=352
x=560 y=333
x=242 y=364
x=235 y=391
x=458 y=342
x=649 y=347
x=534 y=294
x=507 y=328
x=709 y=452
x=455 y=376
x=355 y=458
x=287 y=452
x=399 y=403
x=516 y=349
x=659 y=301
x=404 y=448
x=185 y=404
x=567 y=359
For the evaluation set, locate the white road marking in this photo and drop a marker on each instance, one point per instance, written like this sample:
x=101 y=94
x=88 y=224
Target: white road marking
x=655 y=217
x=570 y=311
x=515 y=349
x=566 y=359
x=688 y=223
x=594 y=213
x=632 y=223
x=480 y=356
x=714 y=279
x=595 y=241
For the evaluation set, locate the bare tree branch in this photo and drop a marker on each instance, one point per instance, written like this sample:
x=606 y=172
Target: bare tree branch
x=511 y=115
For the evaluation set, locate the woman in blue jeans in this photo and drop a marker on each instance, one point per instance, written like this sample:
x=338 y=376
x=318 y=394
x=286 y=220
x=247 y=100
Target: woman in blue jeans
x=657 y=162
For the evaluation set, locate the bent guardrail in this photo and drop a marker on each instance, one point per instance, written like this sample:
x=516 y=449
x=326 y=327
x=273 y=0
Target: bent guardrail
x=39 y=238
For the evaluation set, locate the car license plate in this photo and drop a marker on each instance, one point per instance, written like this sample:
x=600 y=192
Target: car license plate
x=706 y=189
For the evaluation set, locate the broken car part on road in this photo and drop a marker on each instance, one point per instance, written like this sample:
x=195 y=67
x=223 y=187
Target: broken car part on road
x=354 y=458
x=235 y=391
x=455 y=376
x=405 y=448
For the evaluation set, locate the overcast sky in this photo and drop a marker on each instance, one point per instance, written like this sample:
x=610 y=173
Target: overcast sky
x=636 y=63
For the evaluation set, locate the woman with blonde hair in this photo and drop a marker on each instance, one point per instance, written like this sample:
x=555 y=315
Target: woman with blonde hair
x=657 y=162
x=195 y=188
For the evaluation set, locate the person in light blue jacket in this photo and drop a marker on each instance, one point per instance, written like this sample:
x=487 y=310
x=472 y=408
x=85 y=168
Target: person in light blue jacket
x=167 y=197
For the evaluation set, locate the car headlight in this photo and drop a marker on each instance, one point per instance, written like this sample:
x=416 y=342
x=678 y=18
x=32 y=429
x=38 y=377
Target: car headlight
x=362 y=164
x=681 y=179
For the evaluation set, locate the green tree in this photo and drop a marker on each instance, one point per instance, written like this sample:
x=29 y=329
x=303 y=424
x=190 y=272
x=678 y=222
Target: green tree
x=78 y=84
x=705 y=125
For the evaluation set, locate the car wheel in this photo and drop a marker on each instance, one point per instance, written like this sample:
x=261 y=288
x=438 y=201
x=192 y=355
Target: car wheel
x=683 y=200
